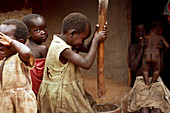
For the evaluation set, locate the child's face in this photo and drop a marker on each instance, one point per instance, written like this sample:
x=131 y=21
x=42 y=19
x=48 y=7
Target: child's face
x=8 y=30
x=38 y=30
x=159 y=30
x=79 y=38
x=140 y=31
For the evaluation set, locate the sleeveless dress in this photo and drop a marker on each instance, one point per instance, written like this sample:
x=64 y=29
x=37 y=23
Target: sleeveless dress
x=61 y=90
x=16 y=95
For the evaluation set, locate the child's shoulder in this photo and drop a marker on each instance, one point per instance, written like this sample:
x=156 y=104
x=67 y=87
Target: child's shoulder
x=42 y=47
x=39 y=51
x=37 y=47
x=156 y=36
x=160 y=37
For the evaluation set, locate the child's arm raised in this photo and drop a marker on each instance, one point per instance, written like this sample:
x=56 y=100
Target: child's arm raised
x=22 y=49
x=166 y=44
x=88 y=60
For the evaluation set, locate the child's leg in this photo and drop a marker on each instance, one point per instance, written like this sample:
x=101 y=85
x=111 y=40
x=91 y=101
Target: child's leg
x=146 y=68
x=156 y=72
x=156 y=110
x=144 y=110
x=155 y=76
x=156 y=65
x=146 y=77
x=146 y=65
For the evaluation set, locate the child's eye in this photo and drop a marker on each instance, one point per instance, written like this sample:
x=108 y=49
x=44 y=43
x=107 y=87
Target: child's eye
x=45 y=29
x=37 y=30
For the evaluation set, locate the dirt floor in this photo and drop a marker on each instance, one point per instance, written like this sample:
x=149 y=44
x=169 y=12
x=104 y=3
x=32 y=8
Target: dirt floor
x=116 y=92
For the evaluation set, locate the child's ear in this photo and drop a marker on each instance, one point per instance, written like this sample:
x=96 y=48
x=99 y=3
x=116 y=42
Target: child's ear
x=28 y=35
x=21 y=40
x=72 y=32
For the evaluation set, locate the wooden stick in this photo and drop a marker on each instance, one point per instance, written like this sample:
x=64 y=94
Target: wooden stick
x=100 y=56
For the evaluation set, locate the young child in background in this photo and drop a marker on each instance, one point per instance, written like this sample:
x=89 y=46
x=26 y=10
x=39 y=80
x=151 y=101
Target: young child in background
x=143 y=98
x=37 y=34
x=16 y=95
x=62 y=86
x=152 y=53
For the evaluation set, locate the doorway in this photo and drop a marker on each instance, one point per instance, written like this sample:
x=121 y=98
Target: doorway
x=149 y=10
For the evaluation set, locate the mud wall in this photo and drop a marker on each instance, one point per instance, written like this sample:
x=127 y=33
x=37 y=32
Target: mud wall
x=14 y=14
x=14 y=9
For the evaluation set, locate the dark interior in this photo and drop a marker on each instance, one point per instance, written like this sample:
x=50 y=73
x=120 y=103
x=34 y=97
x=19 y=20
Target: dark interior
x=149 y=10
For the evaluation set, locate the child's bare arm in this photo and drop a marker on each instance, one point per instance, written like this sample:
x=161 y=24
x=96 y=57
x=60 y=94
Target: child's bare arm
x=44 y=51
x=165 y=44
x=22 y=49
x=134 y=58
x=88 y=60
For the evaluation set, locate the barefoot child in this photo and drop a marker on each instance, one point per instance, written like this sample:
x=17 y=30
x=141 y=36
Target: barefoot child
x=37 y=34
x=152 y=53
x=62 y=86
x=16 y=95
x=143 y=98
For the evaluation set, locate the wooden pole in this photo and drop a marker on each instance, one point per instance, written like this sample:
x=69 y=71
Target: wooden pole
x=100 y=56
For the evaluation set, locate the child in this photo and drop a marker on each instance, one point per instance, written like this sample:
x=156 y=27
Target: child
x=152 y=53
x=62 y=86
x=16 y=93
x=143 y=98
x=37 y=34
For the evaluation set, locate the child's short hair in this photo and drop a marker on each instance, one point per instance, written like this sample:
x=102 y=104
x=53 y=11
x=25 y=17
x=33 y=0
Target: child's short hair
x=27 y=19
x=21 y=31
x=76 y=21
x=154 y=24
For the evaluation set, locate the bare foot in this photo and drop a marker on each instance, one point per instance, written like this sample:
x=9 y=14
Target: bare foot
x=153 y=81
